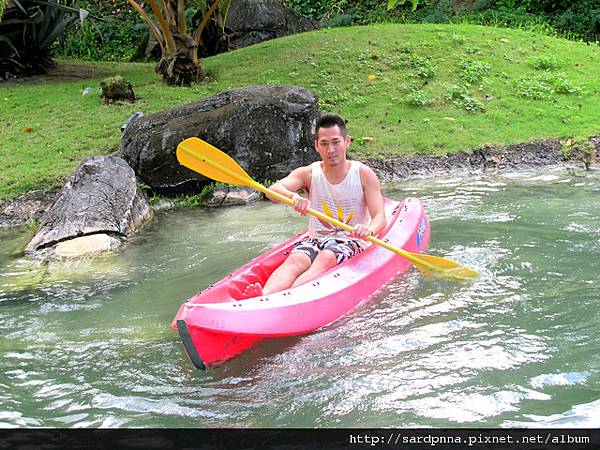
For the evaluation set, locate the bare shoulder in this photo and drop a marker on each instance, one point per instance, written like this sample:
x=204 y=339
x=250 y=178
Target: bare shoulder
x=304 y=172
x=300 y=177
x=368 y=176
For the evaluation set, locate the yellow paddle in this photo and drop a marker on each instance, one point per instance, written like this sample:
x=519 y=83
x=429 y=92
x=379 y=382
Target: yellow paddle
x=211 y=162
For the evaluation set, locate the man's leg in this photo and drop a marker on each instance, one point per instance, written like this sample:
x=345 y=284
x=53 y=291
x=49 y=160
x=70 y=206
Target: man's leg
x=285 y=275
x=324 y=261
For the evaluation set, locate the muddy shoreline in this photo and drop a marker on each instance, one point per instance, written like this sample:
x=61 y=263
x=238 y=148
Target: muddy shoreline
x=487 y=160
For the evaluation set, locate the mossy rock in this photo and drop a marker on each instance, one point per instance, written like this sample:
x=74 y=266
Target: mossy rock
x=116 y=89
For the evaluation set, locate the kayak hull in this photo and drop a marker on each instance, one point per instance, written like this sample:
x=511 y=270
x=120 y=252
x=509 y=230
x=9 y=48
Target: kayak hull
x=219 y=323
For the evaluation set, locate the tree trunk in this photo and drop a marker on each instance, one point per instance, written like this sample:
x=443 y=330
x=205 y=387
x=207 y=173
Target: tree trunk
x=182 y=67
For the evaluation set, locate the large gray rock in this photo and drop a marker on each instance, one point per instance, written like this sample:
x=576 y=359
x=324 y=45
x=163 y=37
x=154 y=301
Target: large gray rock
x=268 y=130
x=254 y=21
x=100 y=198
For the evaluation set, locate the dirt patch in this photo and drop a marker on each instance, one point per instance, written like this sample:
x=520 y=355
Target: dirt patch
x=519 y=157
x=28 y=207
x=64 y=71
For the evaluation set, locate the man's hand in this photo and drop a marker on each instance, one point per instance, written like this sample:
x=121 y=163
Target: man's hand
x=361 y=231
x=301 y=204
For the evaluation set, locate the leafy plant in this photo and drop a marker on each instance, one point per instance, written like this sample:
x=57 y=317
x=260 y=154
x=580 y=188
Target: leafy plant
x=108 y=41
x=545 y=62
x=27 y=31
x=544 y=86
x=521 y=20
x=314 y=9
x=418 y=97
x=392 y=3
x=458 y=95
x=196 y=200
x=473 y=71
x=458 y=38
x=32 y=225
x=423 y=67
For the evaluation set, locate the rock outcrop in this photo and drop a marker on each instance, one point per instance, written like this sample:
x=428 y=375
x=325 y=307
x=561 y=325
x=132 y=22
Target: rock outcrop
x=487 y=159
x=254 y=21
x=268 y=130
x=96 y=209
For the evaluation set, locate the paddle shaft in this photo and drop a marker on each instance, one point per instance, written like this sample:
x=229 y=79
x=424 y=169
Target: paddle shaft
x=282 y=198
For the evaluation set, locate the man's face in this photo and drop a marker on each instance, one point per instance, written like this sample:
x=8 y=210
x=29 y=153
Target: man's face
x=332 y=145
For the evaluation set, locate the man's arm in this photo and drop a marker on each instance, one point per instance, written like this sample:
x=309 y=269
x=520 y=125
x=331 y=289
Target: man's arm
x=372 y=190
x=288 y=186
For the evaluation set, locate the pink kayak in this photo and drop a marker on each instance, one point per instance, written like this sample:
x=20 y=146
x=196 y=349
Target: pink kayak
x=219 y=323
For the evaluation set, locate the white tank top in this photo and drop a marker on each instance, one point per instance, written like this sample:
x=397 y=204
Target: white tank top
x=344 y=201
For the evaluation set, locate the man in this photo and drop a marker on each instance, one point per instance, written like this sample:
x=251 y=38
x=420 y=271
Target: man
x=346 y=190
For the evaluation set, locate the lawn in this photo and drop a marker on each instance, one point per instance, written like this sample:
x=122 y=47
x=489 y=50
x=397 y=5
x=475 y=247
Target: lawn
x=405 y=90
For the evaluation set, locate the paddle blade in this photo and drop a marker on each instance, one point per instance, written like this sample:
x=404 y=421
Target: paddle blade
x=211 y=162
x=444 y=268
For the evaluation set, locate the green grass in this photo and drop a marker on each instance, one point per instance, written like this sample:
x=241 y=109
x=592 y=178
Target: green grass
x=405 y=90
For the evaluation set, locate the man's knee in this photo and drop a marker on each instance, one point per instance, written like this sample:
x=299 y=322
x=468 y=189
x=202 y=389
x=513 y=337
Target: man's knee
x=298 y=262
x=326 y=258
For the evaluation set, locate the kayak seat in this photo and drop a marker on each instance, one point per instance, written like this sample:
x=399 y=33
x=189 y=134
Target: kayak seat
x=242 y=290
x=249 y=283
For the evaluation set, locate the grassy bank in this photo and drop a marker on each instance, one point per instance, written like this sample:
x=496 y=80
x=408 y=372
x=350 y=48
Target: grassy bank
x=405 y=89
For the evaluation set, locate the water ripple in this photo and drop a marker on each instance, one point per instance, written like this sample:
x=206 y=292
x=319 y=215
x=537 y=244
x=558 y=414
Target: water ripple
x=88 y=343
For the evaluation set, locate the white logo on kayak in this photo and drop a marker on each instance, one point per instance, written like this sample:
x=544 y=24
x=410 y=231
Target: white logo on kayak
x=421 y=232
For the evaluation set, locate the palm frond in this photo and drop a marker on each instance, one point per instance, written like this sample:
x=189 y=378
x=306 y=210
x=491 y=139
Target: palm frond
x=205 y=17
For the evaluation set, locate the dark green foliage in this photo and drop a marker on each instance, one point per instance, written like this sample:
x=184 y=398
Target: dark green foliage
x=27 y=31
x=106 y=42
x=118 y=38
x=315 y=9
x=572 y=18
x=578 y=19
x=348 y=12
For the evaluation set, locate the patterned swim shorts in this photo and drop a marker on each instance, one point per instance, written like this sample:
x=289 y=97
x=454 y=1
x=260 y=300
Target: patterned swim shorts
x=343 y=248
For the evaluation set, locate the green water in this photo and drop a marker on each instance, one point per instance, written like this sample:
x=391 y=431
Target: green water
x=88 y=343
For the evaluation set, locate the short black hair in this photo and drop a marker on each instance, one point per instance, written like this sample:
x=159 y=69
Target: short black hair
x=331 y=120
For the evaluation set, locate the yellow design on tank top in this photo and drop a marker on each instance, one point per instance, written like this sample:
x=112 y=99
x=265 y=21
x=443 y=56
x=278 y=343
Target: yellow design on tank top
x=343 y=201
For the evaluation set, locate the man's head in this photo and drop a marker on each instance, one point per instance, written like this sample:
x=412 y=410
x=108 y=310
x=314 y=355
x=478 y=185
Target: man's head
x=330 y=121
x=331 y=139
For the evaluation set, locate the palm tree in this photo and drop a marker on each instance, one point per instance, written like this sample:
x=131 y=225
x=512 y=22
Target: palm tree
x=180 y=60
